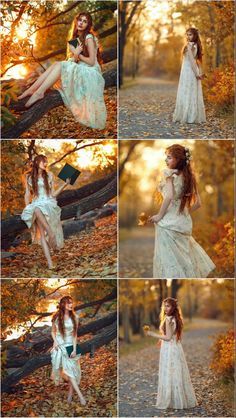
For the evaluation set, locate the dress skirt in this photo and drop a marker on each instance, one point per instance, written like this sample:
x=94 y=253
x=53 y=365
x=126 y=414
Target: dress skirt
x=51 y=211
x=178 y=255
x=63 y=365
x=175 y=388
x=82 y=91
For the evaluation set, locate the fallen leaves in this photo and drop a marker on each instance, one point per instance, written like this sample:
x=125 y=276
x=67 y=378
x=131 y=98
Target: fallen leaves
x=41 y=398
x=91 y=253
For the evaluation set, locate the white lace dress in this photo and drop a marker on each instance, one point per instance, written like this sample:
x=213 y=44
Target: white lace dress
x=82 y=91
x=62 y=364
x=189 y=106
x=48 y=206
x=175 y=389
x=176 y=253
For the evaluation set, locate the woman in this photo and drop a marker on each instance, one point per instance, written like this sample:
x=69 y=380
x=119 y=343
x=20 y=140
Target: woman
x=175 y=388
x=80 y=77
x=189 y=106
x=64 y=334
x=176 y=253
x=43 y=214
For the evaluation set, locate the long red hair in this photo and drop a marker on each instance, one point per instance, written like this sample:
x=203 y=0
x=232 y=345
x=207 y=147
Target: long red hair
x=82 y=36
x=197 y=40
x=60 y=315
x=184 y=166
x=34 y=174
x=176 y=313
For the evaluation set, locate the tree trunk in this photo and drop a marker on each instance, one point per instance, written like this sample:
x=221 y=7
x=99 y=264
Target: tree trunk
x=126 y=324
x=13 y=226
x=175 y=285
x=105 y=337
x=51 y=100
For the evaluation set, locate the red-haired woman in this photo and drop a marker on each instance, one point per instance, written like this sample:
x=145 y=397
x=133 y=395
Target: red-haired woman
x=80 y=77
x=175 y=388
x=176 y=253
x=189 y=106
x=65 y=352
x=43 y=214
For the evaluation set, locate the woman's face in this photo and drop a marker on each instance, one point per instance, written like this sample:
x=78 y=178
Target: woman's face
x=190 y=36
x=167 y=308
x=171 y=161
x=43 y=164
x=69 y=305
x=82 y=23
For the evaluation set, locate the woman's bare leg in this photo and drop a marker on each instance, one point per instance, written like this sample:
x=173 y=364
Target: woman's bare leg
x=37 y=83
x=51 y=79
x=40 y=216
x=77 y=389
x=70 y=392
x=44 y=243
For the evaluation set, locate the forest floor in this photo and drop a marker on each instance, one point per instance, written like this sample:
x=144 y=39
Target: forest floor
x=39 y=397
x=146 y=107
x=90 y=253
x=60 y=123
x=138 y=374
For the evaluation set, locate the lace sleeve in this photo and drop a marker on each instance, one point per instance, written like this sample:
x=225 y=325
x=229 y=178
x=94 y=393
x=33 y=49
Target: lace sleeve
x=192 y=60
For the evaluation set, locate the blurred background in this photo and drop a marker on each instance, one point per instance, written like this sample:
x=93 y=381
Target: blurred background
x=141 y=164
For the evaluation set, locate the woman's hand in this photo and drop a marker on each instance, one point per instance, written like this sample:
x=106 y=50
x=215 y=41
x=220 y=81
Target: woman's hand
x=154 y=219
x=55 y=346
x=73 y=354
x=78 y=50
x=68 y=181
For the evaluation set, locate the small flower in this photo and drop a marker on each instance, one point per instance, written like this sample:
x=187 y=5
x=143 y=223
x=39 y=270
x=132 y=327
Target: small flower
x=146 y=328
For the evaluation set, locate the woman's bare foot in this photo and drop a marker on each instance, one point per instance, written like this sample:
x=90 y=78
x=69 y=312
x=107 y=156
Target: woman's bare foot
x=69 y=398
x=82 y=400
x=34 y=98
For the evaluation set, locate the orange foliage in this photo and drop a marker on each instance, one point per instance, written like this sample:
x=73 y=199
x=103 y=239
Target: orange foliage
x=223 y=356
x=224 y=249
x=219 y=87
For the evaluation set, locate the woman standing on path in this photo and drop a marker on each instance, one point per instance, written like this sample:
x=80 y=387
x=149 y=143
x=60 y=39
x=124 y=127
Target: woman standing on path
x=189 y=106
x=65 y=353
x=176 y=253
x=82 y=83
x=175 y=388
x=43 y=214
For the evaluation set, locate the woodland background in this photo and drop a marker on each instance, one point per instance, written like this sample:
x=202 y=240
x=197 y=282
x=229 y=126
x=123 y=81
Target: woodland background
x=141 y=165
x=88 y=208
x=34 y=35
x=208 y=341
x=26 y=344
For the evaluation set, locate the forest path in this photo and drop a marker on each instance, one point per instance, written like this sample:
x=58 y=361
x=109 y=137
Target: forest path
x=136 y=253
x=146 y=108
x=139 y=376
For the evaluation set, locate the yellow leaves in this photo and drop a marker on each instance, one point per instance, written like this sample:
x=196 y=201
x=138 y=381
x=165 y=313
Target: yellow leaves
x=223 y=356
x=142 y=219
x=219 y=87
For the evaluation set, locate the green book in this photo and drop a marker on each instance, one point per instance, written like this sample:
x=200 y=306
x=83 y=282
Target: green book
x=69 y=172
x=73 y=42
x=70 y=349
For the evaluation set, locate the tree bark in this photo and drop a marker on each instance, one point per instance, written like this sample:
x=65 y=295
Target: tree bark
x=13 y=225
x=105 y=337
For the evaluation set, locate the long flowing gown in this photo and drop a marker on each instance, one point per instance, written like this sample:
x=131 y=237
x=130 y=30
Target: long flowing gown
x=189 y=106
x=48 y=206
x=82 y=91
x=62 y=364
x=176 y=253
x=175 y=389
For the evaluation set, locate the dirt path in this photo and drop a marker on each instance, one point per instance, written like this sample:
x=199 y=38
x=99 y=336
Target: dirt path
x=146 y=110
x=136 y=254
x=139 y=377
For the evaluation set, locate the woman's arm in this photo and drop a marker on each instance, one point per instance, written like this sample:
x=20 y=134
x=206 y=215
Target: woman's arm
x=166 y=202
x=27 y=192
x=197 y=204
x=55 y=193
x=167 y=337
x=73 y=354
x=193 y=63
x=91 y=51
x=53 y=334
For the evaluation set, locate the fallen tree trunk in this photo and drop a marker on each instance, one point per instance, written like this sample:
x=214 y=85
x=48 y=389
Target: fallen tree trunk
x=51 y=100
x=40 y=341
x=13 y=225
x=103 y=338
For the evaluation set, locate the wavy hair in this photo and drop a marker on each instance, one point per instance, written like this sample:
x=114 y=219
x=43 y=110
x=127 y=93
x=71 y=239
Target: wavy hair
x=59 y=315
x=34 y=174
x=176 y=313
x=197 y=40
x=189 y=193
